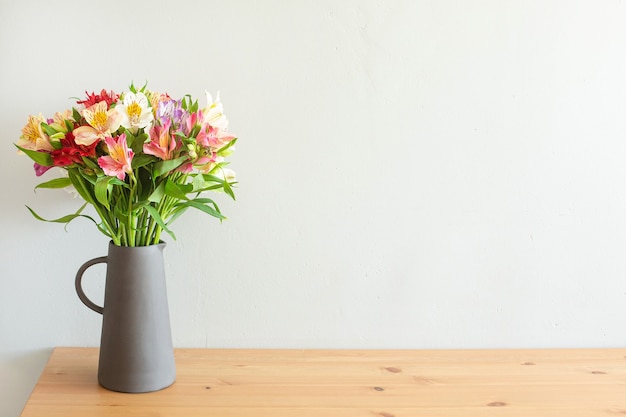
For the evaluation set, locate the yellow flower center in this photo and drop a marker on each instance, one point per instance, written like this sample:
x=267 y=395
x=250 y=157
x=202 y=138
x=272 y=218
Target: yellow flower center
x=134 y=111
x=31 y=131
x=99 y=120
x=117 y=153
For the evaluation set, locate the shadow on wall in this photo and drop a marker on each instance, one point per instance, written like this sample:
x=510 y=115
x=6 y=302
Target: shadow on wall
x=22 y=370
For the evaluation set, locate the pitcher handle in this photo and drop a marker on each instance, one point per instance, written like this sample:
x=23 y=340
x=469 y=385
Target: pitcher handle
x=79 y=287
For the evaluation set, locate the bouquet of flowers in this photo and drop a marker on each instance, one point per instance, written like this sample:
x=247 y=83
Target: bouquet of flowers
x=140 y=158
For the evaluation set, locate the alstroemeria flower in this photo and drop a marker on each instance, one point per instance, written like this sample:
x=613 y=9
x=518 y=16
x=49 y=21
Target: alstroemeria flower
x=108 y=97
x=226 y=174
x=41 y=169
x=135 y=111
x=58 y=122
x=155 y=98
x=71 y=153
x=207 y=162
x=214 y=138
x=193 y=120
x=214 y=113
x=171 y=110
x=102 y=124
x=33 y=138
x=162 y=144
x=118 y=162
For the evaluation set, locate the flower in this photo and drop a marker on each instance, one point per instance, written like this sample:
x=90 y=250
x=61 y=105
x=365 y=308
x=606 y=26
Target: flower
x=59 y=120
x=161 y=144
x=135 y=111
x=214 y=138
x=171 y=110
x=109 y=98
x=101 y=123
x=71 y=152
x=155 y=98
x=140 y=159
x=214 y=112
x=118 y=162
x=33 y=137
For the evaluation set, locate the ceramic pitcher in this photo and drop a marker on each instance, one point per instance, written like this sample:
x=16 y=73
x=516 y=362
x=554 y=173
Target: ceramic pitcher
x=136 y=351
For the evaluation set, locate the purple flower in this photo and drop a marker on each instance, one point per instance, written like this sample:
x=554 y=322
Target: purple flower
x=171 y=110
x=40 y=169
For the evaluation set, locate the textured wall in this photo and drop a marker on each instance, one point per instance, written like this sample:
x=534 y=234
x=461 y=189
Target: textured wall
x=413 y=174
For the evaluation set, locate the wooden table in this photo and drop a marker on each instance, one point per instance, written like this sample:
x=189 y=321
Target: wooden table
x=312 y=383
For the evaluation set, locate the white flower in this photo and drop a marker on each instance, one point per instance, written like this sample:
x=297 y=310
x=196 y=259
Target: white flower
x=229 y=175
x=135 y=111
x=214 y=113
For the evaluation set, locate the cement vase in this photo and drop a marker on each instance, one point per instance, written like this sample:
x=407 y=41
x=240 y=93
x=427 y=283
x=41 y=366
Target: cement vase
x=136 y=351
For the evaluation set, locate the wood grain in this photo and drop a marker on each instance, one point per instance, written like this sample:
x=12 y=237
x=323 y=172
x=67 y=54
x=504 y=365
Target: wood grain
x=351 y=383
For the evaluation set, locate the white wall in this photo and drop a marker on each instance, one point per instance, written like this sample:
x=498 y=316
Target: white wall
x=413 y=174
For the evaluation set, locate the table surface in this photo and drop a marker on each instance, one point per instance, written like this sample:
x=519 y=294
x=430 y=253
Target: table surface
x=368 y=383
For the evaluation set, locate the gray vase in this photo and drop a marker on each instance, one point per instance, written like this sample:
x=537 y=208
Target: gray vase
x=136 y=351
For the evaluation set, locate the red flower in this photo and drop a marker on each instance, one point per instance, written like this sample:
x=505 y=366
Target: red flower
x=72 y=153
x=93 y=98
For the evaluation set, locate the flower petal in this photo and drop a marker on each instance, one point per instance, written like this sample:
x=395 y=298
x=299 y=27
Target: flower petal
x=85 y=135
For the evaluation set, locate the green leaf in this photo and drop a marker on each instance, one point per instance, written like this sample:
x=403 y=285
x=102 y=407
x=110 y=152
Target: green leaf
x=42 y=158
x=195 y=131
x=64 y=219
x=56 y=144
x=120 y=215
x=81 y=187
x=229 y=190
x=157 y=194
x=145 y=186
x=56 y=138
x=177 y=191
x=102 y=191
x=185 y=102
x=91 y=163
x=213 y=187
x=205 y=200
x=197 y=204
x=198 y=183
x=141 y=160
x=137 y=145
x=91 y=178
x=56 y=183
x=213 y=178
x=68 y=125
x=130 y=138
x=49 y=130
x=176 y=214
x=227 y=146
x=157 y=217
x=218 y=182
x=164 y=167
x=76 y=115
x=117 y=181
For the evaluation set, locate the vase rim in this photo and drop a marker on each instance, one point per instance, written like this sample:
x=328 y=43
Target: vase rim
x=161 y=243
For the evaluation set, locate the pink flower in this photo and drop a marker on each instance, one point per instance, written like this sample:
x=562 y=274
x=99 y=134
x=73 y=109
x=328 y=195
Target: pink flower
x=161 y=144
x=191 y=122
x=214 y=138
x=118 y=162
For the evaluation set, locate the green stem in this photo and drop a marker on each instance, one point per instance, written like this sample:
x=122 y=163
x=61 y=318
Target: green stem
x=132 y=218
x=141 y=229
x=107 y=223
